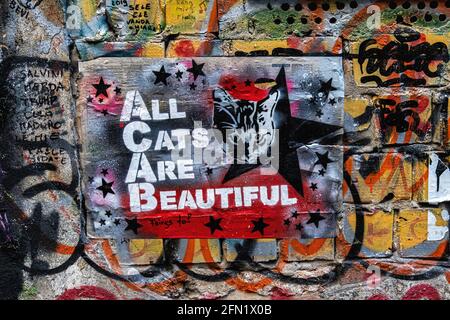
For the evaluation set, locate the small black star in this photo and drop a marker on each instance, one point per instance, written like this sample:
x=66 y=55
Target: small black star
x=161 y=76
x=299 y=227
x=287 y=222
x=196 y=69
x=323 y=160
x=295 y=214
x=100 y=100
x=104 y=172
x=259 y=225
x=102 y=88
x=313 y=186
x=315 y=218
x=192 y=86
x=319 y=114
x=90 y=180
x=209 y=171
x=326 y=87
x=333 y=101
x=118 y=90
x=102 y=222
x=108 y=213
x=105 y=112
x=117 y=221
x=90 y=99
x=133 y=225
x=322 y=172
x=179 y=75
x=214 y=224
x=106 y=188
x=248 y=83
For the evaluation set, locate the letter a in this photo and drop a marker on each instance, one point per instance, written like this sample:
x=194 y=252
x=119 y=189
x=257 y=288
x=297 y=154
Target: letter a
x=134 y=107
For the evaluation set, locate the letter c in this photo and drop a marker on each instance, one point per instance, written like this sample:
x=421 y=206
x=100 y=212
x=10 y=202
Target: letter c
x=128 y=137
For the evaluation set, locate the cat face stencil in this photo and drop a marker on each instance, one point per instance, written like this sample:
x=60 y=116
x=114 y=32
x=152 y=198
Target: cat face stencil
x=247 y=126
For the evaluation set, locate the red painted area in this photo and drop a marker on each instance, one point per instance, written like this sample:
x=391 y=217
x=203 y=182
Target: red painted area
x=293 y=41
x=278 y=293
x=237 y=222
x=238 y=88
x=87 y=292
x=422 y=292
x=417 y=292
x=185 y=48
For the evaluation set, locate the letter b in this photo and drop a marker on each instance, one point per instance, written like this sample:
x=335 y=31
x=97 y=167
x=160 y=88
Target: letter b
x=137 y=197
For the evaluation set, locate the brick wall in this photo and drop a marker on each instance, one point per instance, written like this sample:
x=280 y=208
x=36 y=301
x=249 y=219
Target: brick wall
x=390 y=236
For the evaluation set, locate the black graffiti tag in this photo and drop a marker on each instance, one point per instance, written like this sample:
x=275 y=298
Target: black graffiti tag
x=403 y=116
x=30 y=4
x=399 y=56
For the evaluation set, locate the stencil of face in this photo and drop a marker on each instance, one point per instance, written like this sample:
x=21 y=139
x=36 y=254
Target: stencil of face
x=248 y=125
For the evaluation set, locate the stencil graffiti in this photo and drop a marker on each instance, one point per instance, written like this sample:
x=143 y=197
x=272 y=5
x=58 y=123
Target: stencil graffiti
x=257 y=112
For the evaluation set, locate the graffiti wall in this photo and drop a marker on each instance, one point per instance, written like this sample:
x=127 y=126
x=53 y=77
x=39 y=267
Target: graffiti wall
x=224 y=149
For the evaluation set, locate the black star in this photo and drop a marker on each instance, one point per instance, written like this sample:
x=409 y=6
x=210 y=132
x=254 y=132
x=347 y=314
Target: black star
x=313 y=186
x=196 y=69
x=209 y=171
x=323 y=160
x=108 y=213
x=248 y=83
x=90 y=99
x=333 y=101
x=105 y=112
x=118 y=90
x=117 y=221
x=315 y=218
x=102 y=88
x=102 y=222
x=322 y=172
x=214 y=224
x=100 y=100
x=104 y=172
x=293 y=132
x=133 y=225
x=192 y=86
x=259 y=225
x=299 y=227
x=106 y=188
x=326 y=87
x=287 y=222
x=90 y=180
x=319 y=114
x=295 y=214
x=161 y=76
x=179 y=75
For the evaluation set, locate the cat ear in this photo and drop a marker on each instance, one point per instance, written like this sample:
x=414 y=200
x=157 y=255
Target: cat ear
x=226 y=110
x=271 y=100
x=222 y=97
